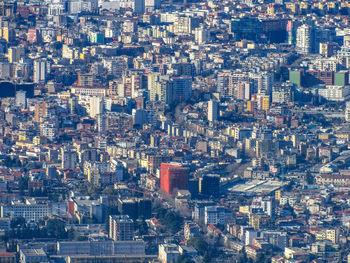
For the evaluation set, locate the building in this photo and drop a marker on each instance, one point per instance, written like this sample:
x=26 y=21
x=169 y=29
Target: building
x=69 y=158
x=213 y=109
x=334 y=93
x=347 y=111
x=21 y=100
x=33 y=36
x=283 y=94
x=121 y=228
x=32 y=255
x=96 y=106
x=214 y=215
x=85 y=79
x=209 y=185
x=168 y=253
x=151 y=5
x=182 y=88
x=31 y=210
x=135 y=208
x=304 y=39
x=7 y=257
x=39 y=71
x=89 y=91
x=201 y=35
x=100 y=248
x=173 y=176
x=41 y=110
x=191 y=230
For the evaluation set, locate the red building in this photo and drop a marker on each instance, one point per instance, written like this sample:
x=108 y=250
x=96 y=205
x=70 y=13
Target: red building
x=173 y=176
x=33 y=36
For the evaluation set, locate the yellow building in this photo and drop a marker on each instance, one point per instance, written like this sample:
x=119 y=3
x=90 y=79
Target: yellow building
x=8 y=34
x=278 y=195
x=250 y=106
x=244 y=209
x=265 y=103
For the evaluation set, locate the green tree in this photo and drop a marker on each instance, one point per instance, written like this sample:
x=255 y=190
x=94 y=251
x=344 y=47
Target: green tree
x=199 y=244
x=56 y=228
x=184 y=259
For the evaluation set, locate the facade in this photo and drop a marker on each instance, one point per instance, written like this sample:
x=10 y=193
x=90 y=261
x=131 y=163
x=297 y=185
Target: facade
x=214 y=215
x=182 y=88
x=168 y=253
x=173 y=176
x=304 y=39
x=101 y=248
x=39 y=71
x=213 y=109
x=283 y=94
x=121 y=228
x=69 y=158
x=335 y=93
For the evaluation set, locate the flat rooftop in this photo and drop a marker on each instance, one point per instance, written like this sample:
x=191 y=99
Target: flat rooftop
x=257 y=187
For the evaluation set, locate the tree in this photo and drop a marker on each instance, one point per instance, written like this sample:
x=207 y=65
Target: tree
x=309 y=178
x=56 y=228
x=184 y=259
x=18 y=222
x=142 y=226
x=199 y=244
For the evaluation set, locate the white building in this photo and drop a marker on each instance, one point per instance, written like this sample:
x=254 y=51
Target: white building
x=168 y=253
x=39 y=71
x=214 y=215
x=32 y=210
x=347 y=111
x=304 y=39
x=138 y=6
x=151 y=5
x=100 y=248
x=201 y=35
x=334 y=93
x=96 y=106
x=48 y=129
x=21 y=100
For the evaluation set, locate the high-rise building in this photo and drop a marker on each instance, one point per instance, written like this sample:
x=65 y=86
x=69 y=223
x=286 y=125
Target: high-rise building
x=262 y=82
x=121 y=228
x=21 y=100
x=33 y=36
x=209 y=185
x=182 y=88
x=96 y=106
x=73 y=105
x=41 y=110
x=304 y=39
x=223 y=83
x=139 y=6
x=213 y=108
x=214 y=215
x=101 y=122
x=201 y=35
x=39 y=71
x=283 y=94
x=347 y=111
x=14 y=54
x=173 y=176
x=151 y=5
x=85 y=79
x=69 y=158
